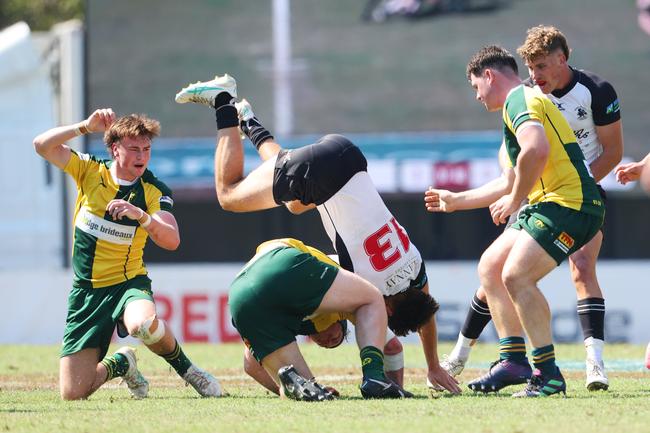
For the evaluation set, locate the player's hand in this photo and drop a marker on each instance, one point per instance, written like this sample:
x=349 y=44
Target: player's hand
x=439 y=380
x=100 y=120
x=119 y=209
x=439 y=200
x=503 y=208
x=628 y=172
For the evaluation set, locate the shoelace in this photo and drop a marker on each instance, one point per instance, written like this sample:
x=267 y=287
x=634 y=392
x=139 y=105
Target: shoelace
x=200 y=379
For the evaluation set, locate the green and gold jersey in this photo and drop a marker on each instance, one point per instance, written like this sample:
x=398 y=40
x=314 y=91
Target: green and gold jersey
x=106 y=251
x=319 y=322
x=566 y=179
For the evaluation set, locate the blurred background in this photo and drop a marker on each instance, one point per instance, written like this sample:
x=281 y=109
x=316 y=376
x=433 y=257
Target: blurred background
x=388 y=73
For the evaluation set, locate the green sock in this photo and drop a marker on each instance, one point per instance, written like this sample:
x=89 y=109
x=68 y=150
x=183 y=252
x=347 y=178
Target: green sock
x=178 y=360
x=544 y=360
x=512 y=349
x=116 y=365
x=372 y=363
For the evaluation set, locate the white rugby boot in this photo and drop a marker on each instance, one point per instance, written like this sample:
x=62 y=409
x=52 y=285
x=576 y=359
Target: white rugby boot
x=453 y=366
x=203 y=382
x=135 y=381
x=596 y=376
x=205 y=92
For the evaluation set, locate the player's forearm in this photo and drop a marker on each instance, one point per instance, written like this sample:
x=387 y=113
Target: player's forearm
x=163 y=234
x=530 y=166
x=606 y=162
x=482 y=196
x=429 y=338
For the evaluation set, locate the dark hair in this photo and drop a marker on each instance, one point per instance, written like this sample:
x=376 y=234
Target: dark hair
x=344 y=333
x=412 y=309
x=491 y=56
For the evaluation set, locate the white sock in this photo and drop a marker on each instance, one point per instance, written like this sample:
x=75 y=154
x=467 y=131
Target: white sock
x=594 y=347
x=462 y=348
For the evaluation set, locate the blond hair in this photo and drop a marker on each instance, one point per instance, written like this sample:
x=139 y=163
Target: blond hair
x=542 y=41
x=133 y=125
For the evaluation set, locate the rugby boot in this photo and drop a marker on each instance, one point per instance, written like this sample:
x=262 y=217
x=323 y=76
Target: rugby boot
x=543 y=386
x=203 y=382
x=250 y=125
x=596 y=376
x=453 y=366
x=373 y=388
x=205 y=92
x=502 y=373
x=298 y=388
x=135 y=381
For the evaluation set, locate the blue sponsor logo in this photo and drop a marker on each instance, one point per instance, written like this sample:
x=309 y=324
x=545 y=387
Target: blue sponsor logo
x=613 y=107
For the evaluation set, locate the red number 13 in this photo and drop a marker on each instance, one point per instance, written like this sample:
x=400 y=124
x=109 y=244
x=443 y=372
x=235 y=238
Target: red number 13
x=381 y=252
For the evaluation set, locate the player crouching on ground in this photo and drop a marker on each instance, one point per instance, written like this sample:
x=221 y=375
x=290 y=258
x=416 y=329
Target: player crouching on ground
x=286 y=282
x=120 y=204
x=329 y=331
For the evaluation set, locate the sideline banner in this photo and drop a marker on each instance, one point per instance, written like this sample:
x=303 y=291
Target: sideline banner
x=193 y=300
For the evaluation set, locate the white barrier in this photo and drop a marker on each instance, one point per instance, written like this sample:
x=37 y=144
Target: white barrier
x=193 y=300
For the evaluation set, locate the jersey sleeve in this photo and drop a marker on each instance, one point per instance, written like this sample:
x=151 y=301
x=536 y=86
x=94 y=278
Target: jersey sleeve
x=160 y=199
x=78 y=165
x=604 y=104
x=523 y=105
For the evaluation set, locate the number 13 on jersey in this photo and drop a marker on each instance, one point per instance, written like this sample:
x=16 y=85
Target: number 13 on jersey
x=383 y=246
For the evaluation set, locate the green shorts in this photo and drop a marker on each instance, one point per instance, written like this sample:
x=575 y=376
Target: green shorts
x=559 y=230
x=269 y=299
x=93 y=313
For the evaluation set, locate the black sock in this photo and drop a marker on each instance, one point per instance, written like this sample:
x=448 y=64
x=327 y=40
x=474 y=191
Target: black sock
x=255 y=131
x=178 y=360
x=591 y=312
x=478 y=316
x=225 y=111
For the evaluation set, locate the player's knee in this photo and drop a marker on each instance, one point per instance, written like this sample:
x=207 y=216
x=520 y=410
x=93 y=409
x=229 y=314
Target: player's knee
x=583 y=269
x=149 y=331
x=488 y=271
x=249 y=368
x=393 y=347
x=70 y=393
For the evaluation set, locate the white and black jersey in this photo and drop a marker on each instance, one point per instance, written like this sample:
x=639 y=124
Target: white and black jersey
x=586 y=102
x=332 y=173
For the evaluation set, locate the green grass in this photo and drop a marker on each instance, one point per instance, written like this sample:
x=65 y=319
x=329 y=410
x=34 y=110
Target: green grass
x=29 y=400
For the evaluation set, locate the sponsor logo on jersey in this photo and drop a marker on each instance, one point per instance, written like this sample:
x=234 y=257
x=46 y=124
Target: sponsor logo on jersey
x=581 y=112
x=108 y=231
x=166 y=199
x=581 y=134
x=101 y=181
x=612 y=108
x=559 y=105
x=564 y=242
x=401 y=278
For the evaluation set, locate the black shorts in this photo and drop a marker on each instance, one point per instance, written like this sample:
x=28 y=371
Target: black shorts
x=314 y=173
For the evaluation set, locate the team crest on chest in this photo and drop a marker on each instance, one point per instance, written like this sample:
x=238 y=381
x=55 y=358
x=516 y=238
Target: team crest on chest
x=581 y=112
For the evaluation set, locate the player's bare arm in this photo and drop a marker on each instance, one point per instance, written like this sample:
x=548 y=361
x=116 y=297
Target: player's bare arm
x=436 y=375
x=530 y=165
x=631 y=171
x=611 y=137
x=161 y=226
x=51 y=143
x=441 y=200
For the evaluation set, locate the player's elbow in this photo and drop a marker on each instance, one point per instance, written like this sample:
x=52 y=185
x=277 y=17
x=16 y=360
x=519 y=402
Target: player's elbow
x=170 y=243
x=39 y=145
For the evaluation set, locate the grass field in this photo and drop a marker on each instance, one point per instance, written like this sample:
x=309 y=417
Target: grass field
x=29 y=400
